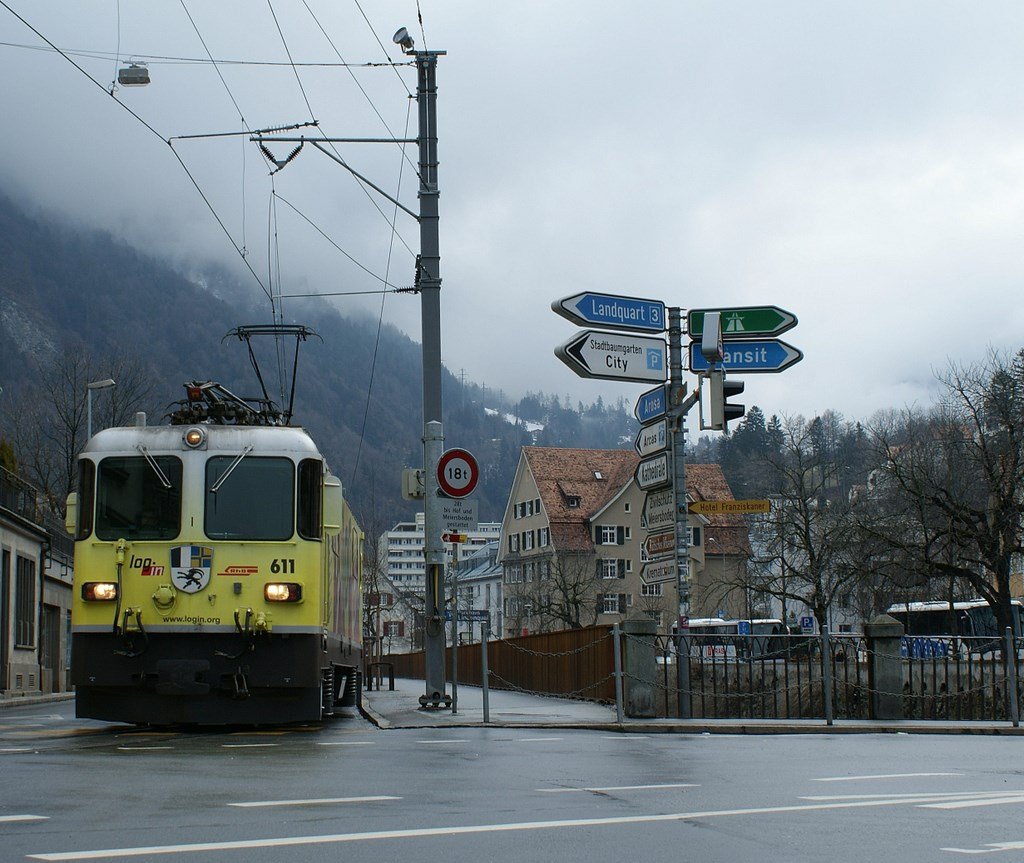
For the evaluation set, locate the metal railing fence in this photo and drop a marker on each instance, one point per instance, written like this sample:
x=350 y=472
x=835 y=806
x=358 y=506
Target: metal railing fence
x=700 y=676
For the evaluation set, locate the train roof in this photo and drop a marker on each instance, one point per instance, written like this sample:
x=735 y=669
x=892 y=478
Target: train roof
x=232 y=439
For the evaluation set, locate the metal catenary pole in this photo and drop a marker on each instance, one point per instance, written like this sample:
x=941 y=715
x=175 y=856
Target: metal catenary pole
x=428 y=278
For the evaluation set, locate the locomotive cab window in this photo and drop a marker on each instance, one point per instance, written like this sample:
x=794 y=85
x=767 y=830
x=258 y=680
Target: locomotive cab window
x=250 y=498
x=310 y=521
x=86 y=492
x=133 y=500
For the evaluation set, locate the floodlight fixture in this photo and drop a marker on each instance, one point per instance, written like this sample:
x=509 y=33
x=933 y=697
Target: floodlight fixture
x=403 y=39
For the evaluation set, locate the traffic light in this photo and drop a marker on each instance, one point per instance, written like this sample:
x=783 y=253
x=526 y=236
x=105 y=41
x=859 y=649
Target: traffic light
x=722 y=412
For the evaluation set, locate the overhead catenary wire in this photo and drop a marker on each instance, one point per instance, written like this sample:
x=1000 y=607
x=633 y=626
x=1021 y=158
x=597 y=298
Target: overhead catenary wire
x=164 y=59
x=151 y=129
x=380 y=317
x=382 y=48
x=117 y=56
x=362 y=89
x=319 y=230
x=287 y=51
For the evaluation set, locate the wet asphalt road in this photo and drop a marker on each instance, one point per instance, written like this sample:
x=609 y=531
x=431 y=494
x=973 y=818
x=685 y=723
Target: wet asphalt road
x=80 y=790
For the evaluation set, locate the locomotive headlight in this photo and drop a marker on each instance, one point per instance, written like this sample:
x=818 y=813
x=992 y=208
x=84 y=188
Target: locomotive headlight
x=194 y=438
x=282 y=591
x=99 y=591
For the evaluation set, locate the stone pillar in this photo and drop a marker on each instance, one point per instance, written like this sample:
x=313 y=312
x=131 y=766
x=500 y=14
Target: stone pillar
x=639 y=666
x=885 y=667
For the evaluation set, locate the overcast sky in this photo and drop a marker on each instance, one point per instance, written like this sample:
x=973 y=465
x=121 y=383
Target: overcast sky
x=860 y=165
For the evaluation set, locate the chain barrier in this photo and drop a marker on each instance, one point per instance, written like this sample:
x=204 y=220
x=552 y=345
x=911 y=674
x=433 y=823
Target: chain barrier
x=576 y=694
x=520 y=649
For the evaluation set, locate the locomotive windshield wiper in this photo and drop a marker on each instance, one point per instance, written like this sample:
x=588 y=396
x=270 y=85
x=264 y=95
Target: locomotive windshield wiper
x=153 y=464
x=231 y=467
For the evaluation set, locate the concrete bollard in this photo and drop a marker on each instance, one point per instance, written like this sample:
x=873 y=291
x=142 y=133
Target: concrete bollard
x=641 y=669
x=885 y=667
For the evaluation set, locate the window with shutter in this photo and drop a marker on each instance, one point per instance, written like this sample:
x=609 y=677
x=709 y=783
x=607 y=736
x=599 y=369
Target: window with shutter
x=620 y=535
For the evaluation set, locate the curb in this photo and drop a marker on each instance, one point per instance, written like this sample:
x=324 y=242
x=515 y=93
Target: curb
x=370 y=714
x=26 y=700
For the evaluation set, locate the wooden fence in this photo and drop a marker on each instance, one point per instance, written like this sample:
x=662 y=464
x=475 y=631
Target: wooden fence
x=576 y=663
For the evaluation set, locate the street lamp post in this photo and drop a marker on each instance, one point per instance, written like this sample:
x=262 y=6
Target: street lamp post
x=95 y=385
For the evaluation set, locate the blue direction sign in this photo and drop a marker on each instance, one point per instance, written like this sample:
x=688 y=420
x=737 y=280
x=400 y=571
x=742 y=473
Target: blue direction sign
x=651 y=405
x=618 y=313
x=749 y=357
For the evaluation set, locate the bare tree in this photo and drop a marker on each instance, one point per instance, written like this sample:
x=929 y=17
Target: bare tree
x=49 y=421
x=952 y=491
x=806 y=549
x=560 y=593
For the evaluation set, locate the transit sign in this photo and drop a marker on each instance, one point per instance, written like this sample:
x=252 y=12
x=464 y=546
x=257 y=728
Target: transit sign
x=743 y=321
x=719 y=507
x=618 y=313
x=615 y=356
x=658 y=571
x=651 y=438
x=653 y=472
x=659 y=544
x=651 y=405
x=660 y=510
x=749 y=357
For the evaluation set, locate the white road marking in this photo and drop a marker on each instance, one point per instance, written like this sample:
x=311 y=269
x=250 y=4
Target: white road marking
x=535 y=739
x=13 y=819
x=990 y=848
x=11 y=749
x=938 y=795
x=142 y=748
x=968 y=804
x=247 y=745
x=625 y=737
x=430 y=742
x=427 y=832
x=345 y=743
x=313 y=801
x=618 y=788
x=881 y=776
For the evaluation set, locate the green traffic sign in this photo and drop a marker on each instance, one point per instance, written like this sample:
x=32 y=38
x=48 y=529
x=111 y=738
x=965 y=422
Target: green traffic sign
x=743 y=321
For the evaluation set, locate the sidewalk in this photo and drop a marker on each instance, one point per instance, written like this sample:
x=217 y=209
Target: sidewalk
x=400 y=709
x=37 y=698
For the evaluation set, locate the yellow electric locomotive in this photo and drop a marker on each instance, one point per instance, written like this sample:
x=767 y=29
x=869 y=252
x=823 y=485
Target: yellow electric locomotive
x=217 y=572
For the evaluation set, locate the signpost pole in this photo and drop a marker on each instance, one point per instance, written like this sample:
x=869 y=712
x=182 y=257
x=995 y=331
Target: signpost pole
x=455 y=629
x=677 y=427
x=484 y=672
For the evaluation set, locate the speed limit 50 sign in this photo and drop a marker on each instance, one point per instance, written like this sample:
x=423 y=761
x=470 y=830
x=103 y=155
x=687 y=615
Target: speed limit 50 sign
x=457 y=473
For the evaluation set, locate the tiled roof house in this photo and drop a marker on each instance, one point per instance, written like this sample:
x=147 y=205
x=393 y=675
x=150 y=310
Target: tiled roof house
x=572 y=537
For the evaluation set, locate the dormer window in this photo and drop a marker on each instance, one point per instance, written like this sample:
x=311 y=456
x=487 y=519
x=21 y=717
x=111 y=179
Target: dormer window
x=572 y=501
x=597 y=475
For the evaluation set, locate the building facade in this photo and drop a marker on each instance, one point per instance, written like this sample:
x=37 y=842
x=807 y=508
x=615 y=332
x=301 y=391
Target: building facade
x=572 y=545
x=36 y=573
